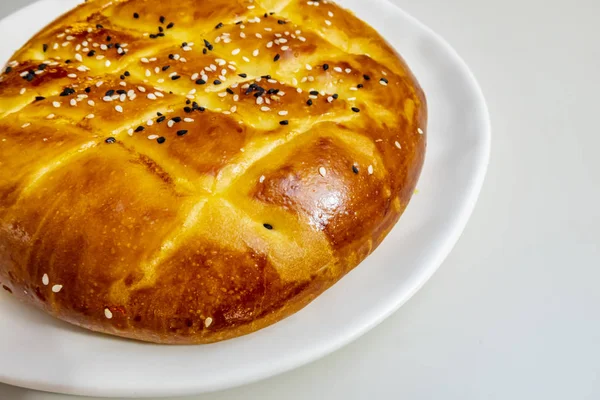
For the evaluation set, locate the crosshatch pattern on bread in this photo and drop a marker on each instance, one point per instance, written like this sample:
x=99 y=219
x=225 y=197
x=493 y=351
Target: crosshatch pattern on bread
x=195 y=170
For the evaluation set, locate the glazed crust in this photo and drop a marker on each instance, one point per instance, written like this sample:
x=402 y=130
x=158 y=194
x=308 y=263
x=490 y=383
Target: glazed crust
x=155 y=184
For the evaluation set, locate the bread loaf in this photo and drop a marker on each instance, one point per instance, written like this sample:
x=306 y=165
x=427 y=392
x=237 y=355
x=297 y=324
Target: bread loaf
x=190 y=171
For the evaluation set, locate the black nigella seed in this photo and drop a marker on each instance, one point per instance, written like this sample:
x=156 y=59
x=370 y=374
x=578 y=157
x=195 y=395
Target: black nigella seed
x=160 y=119
x=271 y=13
x=217 y=82
x=176 y=119
x=122 y=77
x=266 y=76
x=360 y=86
x=200 y=82
x=188 y=101
x=136 y=15
x=243 y=75
x=152 y=36
x=281 y=22
x=117 y=45
x=204 y=51
x=268 y=226
x=126 y=73
x=159 y=114
x=219 y=25
x=355 y=109
x=162 y=19
x=182 y=132
x=175 y=77
x=325 y=67
x=29 y=77
x=171 y=24
x=110 y=140
x=166 y=67
x=8 y=70
x=284 y=122
x=229 y=91
x=88 y=89
x=91 y=53
x=239 y=22
x=110 y=46
x=39 y=98
x=383 y=80
x=139 y=128
x=314 y=93
x=367 y=77
x=42 y=67
x=161 y=140
x=67 y=61
x=98 y=26
x=335 y=96
x=276 y=58
x=355 y=169
x=201 y=109
x=171 y=57
x=45 y=47
x=121 y=91
x=309 y=102
x=160 y=29
x=187 y=109
x=108 y=38
x=160 y=34
x=109 y=93
x=266 y=15
x=183 y=44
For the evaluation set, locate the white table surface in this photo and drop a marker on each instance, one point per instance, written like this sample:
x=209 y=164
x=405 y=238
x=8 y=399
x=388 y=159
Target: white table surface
x=513 y=313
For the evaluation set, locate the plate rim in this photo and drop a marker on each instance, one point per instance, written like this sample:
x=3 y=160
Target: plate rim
x=471 y=196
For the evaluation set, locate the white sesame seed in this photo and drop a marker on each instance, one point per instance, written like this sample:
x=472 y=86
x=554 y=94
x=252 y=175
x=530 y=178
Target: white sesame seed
x=322 y=171
x=353 y=88
x=56 y=104
x=261 y=179
x=78 y=57
x=186 y=48
x=72 y=76
x=222 y=94
x=208 y=321
x=298 y=90
x=269 y=45
x=45 y=280
x=152 y=137
x=107 y=98
x=236 y=97
x=119 y=108
x=122 y=83
x=107 y=313
x=57 y=288
x=141 y=89
x=420 y=131
x=347 y=70
x=265 y=108
x=235 y=52
x=370 y=170
x=351 y=98
x=99 y=83
x=148 y=73
x=302 y=38
x=151 y=96
x=195 y=76
x=233 y=109
x=91 y=103
x=246 y=59
x=188 y=120
x=73 y=102
x=258 y=35
x=22 y=91
x=50 y=116
x=285 y=48
x=330 y=13
x=384 y=83
x=282 y=112
x=397 y=144
x=337 y=69
x=260 y=100
x=255 y=53
x=170 y=123
x=308 y=67
x=90 y=116
x=107 y=63
x=130 y=131
x=328 y=22
x=25 y=125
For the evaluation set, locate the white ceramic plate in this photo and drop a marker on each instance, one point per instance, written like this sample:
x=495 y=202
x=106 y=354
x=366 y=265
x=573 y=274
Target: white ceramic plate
x=42 y=353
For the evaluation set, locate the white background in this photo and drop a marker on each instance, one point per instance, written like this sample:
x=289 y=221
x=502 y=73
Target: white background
x=514 y=312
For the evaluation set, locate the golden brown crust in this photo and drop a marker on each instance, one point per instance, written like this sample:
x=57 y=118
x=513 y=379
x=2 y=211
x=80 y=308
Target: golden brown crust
x=163 y=188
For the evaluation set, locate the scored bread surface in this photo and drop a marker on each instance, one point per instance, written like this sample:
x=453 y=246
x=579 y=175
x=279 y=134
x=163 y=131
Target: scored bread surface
x=190 y=171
